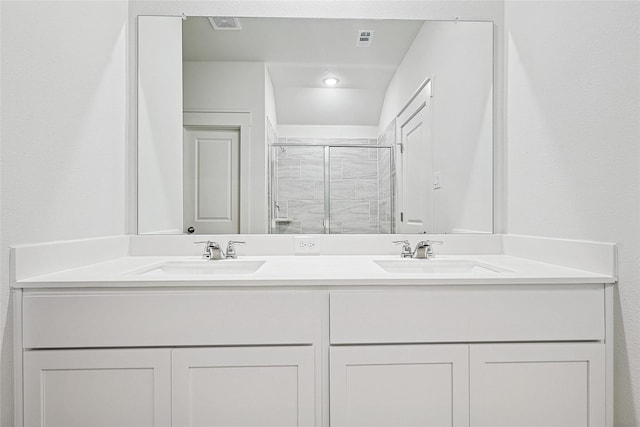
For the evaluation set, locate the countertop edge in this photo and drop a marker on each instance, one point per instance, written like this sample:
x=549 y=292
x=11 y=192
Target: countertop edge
x=305 y=283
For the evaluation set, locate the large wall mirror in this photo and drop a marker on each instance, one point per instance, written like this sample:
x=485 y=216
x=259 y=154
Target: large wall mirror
x=291 y=125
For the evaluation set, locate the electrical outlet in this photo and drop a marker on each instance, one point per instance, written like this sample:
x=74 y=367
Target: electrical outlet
x=306 y=245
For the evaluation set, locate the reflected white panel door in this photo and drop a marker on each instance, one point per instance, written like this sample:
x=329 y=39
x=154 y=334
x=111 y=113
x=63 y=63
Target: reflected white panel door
x=211 y=180
x=243 y=387
x=97 y=388
x=409 y=385
x=527 y=385
x=416 y=154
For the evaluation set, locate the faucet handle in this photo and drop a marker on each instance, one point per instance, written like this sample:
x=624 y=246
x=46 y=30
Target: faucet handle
x=208 y=244
x=231 y=249
x=406 y=248
x=429 y=243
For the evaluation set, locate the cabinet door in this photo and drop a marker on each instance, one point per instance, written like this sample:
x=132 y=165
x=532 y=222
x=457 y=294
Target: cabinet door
x=97 y=388
x=551 y=385
x=243 y=386
x=412 y=385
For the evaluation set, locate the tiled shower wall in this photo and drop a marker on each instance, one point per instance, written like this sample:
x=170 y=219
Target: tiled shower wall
x=354 y=190
x=299 y=192
x=355 y=183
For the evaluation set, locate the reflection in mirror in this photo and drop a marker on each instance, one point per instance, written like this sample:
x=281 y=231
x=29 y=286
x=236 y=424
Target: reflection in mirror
x=331 y=186
x=315 y=126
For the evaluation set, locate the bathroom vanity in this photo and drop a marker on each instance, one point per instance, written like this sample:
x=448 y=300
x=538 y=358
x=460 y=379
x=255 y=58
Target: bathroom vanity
x=331 y=340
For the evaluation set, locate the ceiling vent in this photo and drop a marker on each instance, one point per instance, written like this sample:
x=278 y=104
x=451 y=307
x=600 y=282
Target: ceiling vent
x=364 y=38
x=224 y=23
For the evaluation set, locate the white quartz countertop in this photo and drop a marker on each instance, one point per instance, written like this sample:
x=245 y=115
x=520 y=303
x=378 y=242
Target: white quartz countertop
x=324 y=270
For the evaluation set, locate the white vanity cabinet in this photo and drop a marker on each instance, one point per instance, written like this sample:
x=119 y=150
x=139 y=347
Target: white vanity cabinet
x=326 y=355
x=211 y=358
x=455 y=356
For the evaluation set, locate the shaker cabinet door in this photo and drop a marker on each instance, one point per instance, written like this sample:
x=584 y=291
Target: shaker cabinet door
x=97 y=388
x=527 y=385
x=412 y=385
x=243 y=387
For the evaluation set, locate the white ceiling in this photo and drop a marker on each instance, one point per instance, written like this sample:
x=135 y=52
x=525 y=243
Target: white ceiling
x=300 y=52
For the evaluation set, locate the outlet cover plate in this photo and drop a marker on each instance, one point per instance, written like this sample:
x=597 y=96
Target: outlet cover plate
x=306 y=245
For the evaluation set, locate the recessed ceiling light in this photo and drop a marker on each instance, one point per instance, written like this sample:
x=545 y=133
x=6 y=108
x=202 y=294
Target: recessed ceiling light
x=330 y=81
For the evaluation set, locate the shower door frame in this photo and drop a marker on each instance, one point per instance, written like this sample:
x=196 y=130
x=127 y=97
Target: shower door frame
x=327 y=179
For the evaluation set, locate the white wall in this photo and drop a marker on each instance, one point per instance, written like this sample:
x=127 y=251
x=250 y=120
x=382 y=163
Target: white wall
x=457 y=56
x=270 y=99
x=235 y=86
x=63 y=131
x=160 y=177
x=329 y=106
x=574 y=146
x=327 y=131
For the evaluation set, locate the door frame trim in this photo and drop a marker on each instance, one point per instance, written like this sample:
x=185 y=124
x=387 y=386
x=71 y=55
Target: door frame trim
x=225 y=119
x=421 y=99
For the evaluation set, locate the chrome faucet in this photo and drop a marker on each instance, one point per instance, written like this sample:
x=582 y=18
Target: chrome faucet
x=424 y=249
x=231 y=249
x=212 y=250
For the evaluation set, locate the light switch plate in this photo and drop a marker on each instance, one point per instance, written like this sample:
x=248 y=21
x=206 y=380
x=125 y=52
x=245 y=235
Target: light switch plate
x=436 y=180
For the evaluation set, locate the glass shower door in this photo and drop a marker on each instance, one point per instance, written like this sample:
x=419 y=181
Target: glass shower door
x=318 y=189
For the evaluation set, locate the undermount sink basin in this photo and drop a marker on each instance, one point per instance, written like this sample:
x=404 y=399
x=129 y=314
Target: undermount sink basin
x=203 y=267
x=435 y=266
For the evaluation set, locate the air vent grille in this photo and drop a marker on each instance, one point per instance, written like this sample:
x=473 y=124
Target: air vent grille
x=364 y=38
x=224 y=23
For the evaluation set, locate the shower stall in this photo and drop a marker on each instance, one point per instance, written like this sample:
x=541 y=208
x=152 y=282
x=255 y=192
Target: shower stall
x=331 y=187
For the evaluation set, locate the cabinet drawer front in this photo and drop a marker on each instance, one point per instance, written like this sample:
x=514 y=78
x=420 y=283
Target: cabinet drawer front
x=189 y=318
x=469 y=314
